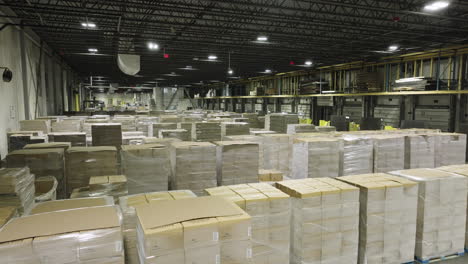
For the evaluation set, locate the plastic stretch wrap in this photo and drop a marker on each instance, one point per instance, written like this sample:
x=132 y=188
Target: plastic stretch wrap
x=68 y=125
x=163 y=141
x=113 y=185
x=145 y=125
x=132 y=139
x=325 y=221
x=88 y=123
x=17 y=189
x=193 y=166
x=357 y=156
x=41 y=162
x=128 y=203
x=276 y=152
x=234 y=128
x=35 y=125
x=270 y=210
x=206 y=131
x=77 y=139
x=237 y=162
x=147 y=167
x=250 y=138
x=389 y=153
x=128 y=123
x=170 y=119
x=279 y=122
x=107 y=134
x=46 y=189
x=159 y=126
x=316 y=157
x=300 y=128
x=325 y=128
x=441 y=214
x=187 y=126
x=89 y=246
x=450 y=149
x=181 y=134
x=387 y=228
x=84 y=162
x=419 y=151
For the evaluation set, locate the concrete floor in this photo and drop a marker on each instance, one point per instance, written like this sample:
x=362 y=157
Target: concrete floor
x=460 y=260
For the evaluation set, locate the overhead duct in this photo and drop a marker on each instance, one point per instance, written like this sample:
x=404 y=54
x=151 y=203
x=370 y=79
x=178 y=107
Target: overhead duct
x=129 y=64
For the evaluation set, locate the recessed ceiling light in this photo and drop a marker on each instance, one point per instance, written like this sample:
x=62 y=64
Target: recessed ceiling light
x=153 y=46
x=212 y=57
x=393 y=48
x=438 y=5
x=262 y=38
x=308 y=63
x=93 y=50
x=88 y=25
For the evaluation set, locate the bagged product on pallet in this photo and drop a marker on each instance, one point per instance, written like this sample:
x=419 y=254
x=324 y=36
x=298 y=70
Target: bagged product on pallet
x=450 y=149
x=325 y=221
x=147 y=167
x=419 y=151
x=276 y=152
x=389 y=153
x=17 y=189
x=316 y=157
x=387 y=215
x=357 y=155
x=279 y=122
x=441 y=215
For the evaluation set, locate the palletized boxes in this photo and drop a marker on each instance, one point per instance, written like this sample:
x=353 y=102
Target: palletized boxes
x=388 y=207
x=253 y=120
x=441 y=215
x=270 y=210
x=316 y=157
x=77 y=139
x=35 y=125
x=159 y=126
x=237 y=162
x=279 y=122
x=419 y=151
x=128 y=203
x=84 y=162
x=187 y=126
x=450 y=149
x=69 y=125
x=206 y=131
x=250 y=138
x=17 y=189
x=181 y=134
x=234 y=128
x=325 y=221
x=112 y=185
x=300 y=128
x=357 y=155
x=204 y=230
x=84 y=235
x=147 y=167
x=193 y=166
x=107 y=134
x=276 y=152
x=41 y=162
x=127 y=122
x=389 y=153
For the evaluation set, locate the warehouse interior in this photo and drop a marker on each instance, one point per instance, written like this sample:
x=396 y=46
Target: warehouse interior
x=233 y=132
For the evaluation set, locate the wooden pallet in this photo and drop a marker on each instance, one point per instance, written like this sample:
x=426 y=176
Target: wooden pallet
x=437 y=259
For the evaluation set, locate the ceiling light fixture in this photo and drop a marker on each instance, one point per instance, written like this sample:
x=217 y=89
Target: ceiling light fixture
x=153 y=46
x=308 y=63
x=262 y=38
x=93 y=50
x=267 y=71
x=393 y=48
x=230 y=72
x=435 y=6
x=88 y=25
x=212 y=57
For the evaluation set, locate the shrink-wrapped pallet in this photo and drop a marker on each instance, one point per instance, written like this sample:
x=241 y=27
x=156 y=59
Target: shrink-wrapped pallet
x=77 y=139
x=357 y=155
x=253 y=120
x=84 y=162
x=17 y=189
x=128 y=203
x=147 y=167
x=68 y=125
x=389 y=153
x=163 y=141
x=17 y=141
x=207 y=230
x=112 y=185
x=41 y=162
x=234 y=128
x=325 y=221
x=206 y=131
x=250 y=138
x=84 y=235
x=237 y=162
x=300 y=128
x=88 y=123
x=107 y=134
x=187 y=126
x=145 y=124
x=441 y=214
x=193 y=166
x=419 y=151
x=35 y=125
x=160 y=126
x=279 y=122
x=259 y=132
x=316 y=157
x=276 y=152
x=450 y=149
x=181 y=134
x=387 y=215
x=127 y=122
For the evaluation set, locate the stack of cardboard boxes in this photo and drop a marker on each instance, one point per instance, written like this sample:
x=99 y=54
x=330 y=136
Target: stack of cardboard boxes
x=300 y=128
x=17 y=189
x=419 y=151
x=357 y=156
x=206 y=131
x=234 y=128
x=77 y=139
x=237 y=162
x=389 y=153
x=35 y=125
x=107 y=134
x=181 y=134
x=276 y=152
x=450 y=149
x=68 y=125
x=279 y=122
x=160 y=126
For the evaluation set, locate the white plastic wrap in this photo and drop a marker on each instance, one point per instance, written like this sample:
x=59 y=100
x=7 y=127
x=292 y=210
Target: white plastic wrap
x=147 y=167
x=181 y=134
x=357 y=155
x=300 y=128
x=325 y=221
x=450 y=149
x=206 y=131
x=234 y=129
x=159 y=126
x=17 y=189
x=441 y=214
x=276 y=152
x=419 y=151
x=279 y=122
x=237 y=162
x=387 y=228
x=316 y=157
x=389 y=153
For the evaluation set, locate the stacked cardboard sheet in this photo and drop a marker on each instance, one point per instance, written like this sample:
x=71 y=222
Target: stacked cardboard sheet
x=389 y=153
x=250 y=138
x=41 y=162
x=88 y=124
x=68 y=125
x=170 y=119
x=419 y=151
x=237 y=162
x=162 y=141
x=160 y=126
x=387 y=215
x=35 y=125
x=270 y=212
x=128 y=203
x=316 y=157
x=270 y=175
x=441 y=215
x=253 y=120
x=357 y=155
x=127 y=122
x=50 y=145
x=70 y=204
x=17 y=189
x=193 y=166
x=84 y=162
x=6 y=213
x=181 y=134
x=187 y=126
x=107 y=134
x=145 y=124
x=276 y=152
x=279 y=122
x=300 y=128
x=206 y=230
x=325 y=221
x=85 y=235
x=450 y=149
x=19 y=139
x=77 y=139
x=206 y=131
x=147 y=167
x=234 y=128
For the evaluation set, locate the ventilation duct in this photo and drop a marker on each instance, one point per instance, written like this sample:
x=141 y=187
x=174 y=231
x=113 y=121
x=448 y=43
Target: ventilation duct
x=129 y=64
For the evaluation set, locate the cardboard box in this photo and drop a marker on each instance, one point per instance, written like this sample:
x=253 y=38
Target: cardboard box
x=50 y=145
x=77 y=139
x=419 y=151
x=112 y=185
x=206 y=131
x=107 y=134
x=276 y=152
x=6 y=213
x=234 y=129
x=237 y=162
x=69 y=204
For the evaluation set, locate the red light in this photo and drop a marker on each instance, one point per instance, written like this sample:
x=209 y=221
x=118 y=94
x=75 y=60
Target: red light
x=166 y=56
x=292 y=63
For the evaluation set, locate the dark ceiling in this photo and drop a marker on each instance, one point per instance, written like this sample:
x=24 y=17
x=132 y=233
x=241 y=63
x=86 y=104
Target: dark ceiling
x=324 y=31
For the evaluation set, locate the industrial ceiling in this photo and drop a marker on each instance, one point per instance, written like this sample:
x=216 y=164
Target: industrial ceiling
x=89 y=34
